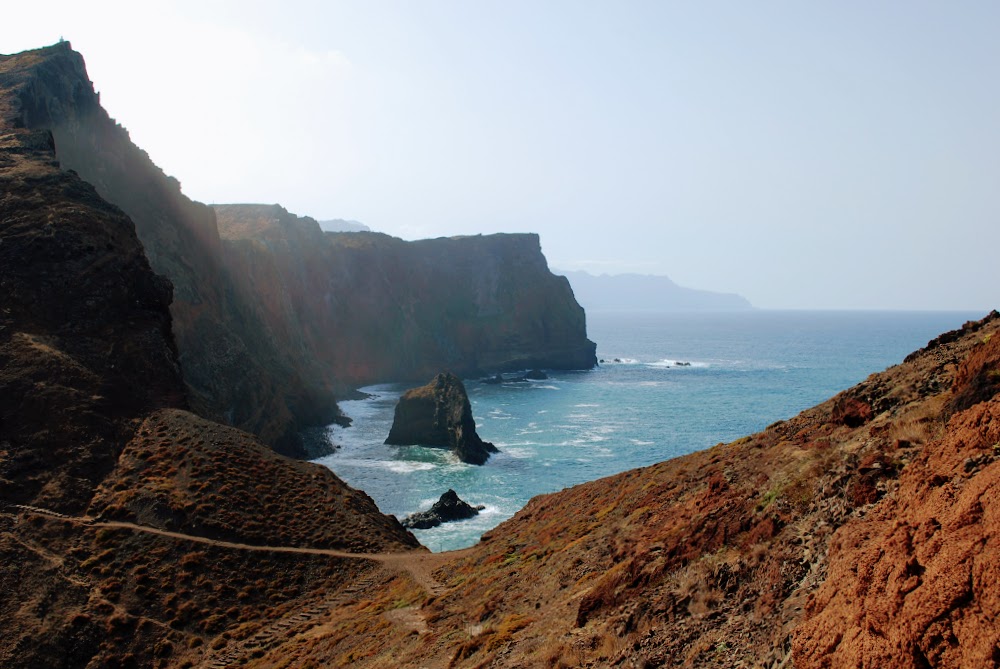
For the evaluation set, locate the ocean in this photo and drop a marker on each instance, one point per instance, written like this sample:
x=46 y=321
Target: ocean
x=741 y=371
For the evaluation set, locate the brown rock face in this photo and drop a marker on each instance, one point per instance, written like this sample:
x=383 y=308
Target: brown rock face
x=439 y=414
x=85 y=337
x=232 y=371
x=913 y=584
x=851 y=412
x=978 y=377
x=367 y=307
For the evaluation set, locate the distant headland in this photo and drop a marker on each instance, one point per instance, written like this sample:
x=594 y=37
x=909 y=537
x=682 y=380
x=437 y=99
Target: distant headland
x=645 y=292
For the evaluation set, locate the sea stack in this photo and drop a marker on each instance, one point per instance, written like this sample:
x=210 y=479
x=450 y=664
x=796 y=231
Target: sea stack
x=439 y=414
x=449 y=508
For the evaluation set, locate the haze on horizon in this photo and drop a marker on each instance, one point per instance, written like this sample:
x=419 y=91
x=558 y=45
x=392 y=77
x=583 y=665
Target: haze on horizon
x=803 y=155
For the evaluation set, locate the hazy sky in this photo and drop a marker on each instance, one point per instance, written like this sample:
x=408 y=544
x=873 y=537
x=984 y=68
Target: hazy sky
x=803 y=154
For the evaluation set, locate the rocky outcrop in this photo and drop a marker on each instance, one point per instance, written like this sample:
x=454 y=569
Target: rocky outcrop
x=913 y=583
x=447 y=509
x=439 y=414
x=232 y=371
x=85 y=339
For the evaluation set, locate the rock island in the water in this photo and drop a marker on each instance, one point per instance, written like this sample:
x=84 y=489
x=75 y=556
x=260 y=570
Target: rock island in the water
x=439 y=414
x=449 y=507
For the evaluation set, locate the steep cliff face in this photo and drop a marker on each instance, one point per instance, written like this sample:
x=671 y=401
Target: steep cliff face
x=374 y=308
x=469 y=304
x=85 y=337
x=232 y=371
x=92 y=421
x=274 y=318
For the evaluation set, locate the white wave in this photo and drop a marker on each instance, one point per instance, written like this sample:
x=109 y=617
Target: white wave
x=546 y=387
x=396 y=466
x=635 y=384
x=405 y=467
x=667 y=363
x=585 y=406
x=639 y=442
x=620 y=361
x=519 y=453
x=490 y=510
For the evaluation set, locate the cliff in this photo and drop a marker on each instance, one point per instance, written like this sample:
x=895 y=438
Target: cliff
x=85 y=340
x=273 y=318
x=439 y=414
x=93 y=423
x=232 y=373
x=367 y=307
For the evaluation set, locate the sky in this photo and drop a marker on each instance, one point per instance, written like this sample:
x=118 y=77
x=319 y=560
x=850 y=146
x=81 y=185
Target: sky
x=830 y=155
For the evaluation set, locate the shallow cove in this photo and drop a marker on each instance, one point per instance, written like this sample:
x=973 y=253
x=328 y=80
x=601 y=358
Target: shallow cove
x=747 y=370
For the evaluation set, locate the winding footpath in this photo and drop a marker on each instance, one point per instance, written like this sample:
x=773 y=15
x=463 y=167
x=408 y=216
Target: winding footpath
x=418 y=565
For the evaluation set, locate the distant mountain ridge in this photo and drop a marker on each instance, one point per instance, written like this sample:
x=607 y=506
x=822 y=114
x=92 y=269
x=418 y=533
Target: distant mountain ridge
x=645 y=292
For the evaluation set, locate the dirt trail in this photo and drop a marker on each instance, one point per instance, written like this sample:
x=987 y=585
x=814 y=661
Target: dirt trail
x=419 y=565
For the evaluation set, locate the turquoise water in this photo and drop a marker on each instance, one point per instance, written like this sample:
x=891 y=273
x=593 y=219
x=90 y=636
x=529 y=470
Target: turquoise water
x=746 y=371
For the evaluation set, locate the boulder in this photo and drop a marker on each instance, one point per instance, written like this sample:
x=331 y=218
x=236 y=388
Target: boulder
x=851 y=412
x=446 y=509
x=536 y=375
x=439 y=414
